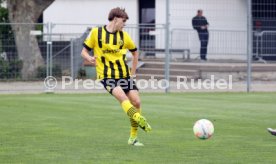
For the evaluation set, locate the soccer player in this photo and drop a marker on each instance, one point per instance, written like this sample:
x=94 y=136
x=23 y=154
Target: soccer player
x=110 y=45
x=272 y=131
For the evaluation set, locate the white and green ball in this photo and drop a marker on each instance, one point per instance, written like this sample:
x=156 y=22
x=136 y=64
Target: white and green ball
x=203 y=129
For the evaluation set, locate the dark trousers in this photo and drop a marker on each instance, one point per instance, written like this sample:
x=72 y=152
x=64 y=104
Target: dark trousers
x=203 y=37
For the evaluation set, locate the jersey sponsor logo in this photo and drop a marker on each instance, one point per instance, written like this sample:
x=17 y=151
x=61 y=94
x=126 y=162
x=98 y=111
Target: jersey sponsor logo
x=110 y=51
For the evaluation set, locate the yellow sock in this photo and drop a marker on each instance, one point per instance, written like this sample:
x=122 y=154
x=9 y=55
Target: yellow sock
x=134 y=127
x=130 y=110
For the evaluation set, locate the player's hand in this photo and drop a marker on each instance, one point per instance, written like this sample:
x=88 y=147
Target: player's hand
x=92 y=60
x=133 y=76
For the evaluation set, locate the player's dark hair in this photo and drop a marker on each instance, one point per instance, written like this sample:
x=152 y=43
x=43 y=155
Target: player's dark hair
x=117 y=12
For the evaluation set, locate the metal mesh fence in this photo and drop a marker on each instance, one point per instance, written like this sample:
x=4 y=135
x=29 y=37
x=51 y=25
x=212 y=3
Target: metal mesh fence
x=228 y=42
x=227 y=28
x=55 y=48
x=52 y=53
x=264 y=26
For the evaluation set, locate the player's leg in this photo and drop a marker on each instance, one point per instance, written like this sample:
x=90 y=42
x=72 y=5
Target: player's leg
x=116 y=90
x=113 y=87
x=134 y=98
x=121 y=96
x=129 y=109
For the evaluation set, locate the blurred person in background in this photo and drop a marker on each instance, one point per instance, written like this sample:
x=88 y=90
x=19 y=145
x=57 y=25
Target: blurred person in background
x=200 y=24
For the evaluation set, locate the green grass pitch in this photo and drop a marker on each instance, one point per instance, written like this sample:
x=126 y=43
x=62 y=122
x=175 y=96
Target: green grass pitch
x=92 y=128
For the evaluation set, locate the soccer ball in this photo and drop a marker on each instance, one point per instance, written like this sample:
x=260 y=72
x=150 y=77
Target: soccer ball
x=203 y=129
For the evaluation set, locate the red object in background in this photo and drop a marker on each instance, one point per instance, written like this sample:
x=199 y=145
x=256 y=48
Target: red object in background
x=258 y=24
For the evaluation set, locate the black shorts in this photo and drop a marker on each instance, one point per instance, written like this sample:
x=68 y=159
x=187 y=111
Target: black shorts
x=126 y=84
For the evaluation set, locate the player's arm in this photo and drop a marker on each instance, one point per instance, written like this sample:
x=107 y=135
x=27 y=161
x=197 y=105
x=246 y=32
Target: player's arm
x=86 y=56
x=87 y=47
x=135 y=56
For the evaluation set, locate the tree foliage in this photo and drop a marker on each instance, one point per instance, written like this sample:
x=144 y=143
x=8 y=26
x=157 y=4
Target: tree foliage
x=5 y=29
x=27 y=12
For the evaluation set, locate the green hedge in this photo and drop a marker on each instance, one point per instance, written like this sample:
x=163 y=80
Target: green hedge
x=10 y=69
x=42 y=71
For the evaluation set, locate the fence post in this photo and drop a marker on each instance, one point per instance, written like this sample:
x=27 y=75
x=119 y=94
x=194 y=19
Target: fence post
x=72 y=58
x=167 y=52
x=49 y=60
x=249 y=44
x=48 y=50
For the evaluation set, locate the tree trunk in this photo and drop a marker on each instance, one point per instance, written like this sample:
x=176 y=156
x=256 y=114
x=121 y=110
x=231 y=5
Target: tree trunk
x=27 y=12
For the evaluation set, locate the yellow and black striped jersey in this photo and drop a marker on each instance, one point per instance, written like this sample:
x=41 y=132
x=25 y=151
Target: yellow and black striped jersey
x=110 y=50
